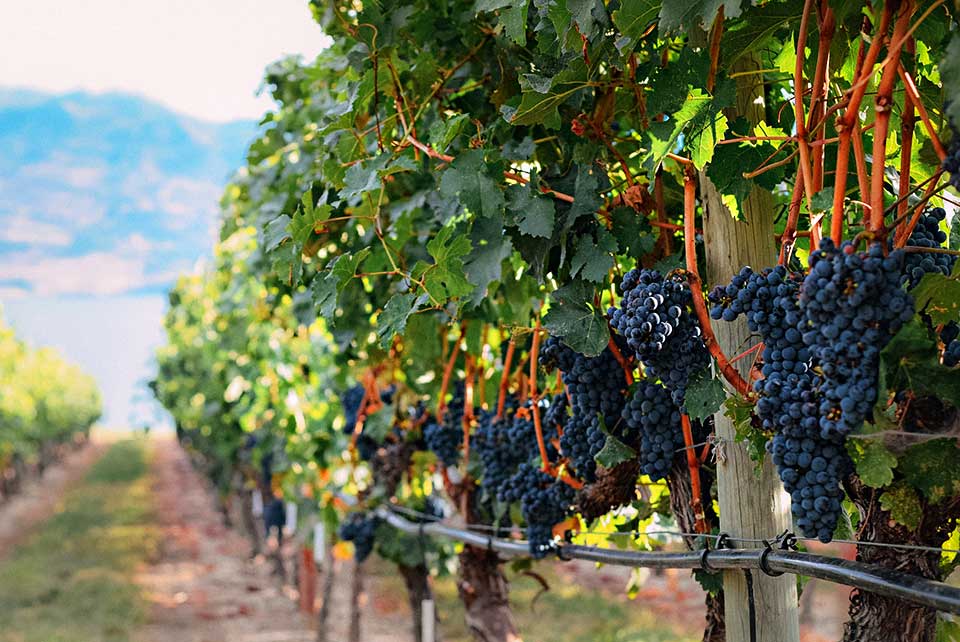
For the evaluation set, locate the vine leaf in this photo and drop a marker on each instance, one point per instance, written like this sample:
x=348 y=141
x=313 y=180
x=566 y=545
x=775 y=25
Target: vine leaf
x=933 y=467
x=514 y=21
x=705 y=395
x=901 y=501
x=740 y=412
x=950 y=75
x=573 y=318
x=911 y=361
x=691 y=14
x=393 y=319
x=939 y=296
x=874 y=463
x=470 y=179
x=614 y=452
x=633 y=233
x=535 y=215
x=483 y=265
x=445 y=278
x=756 y=26
x=540 y=107
x=328 y=285
x=593 y=260
x=307 y=217
x=444 y=132
x=632 y=20
x=274 y=233
x=377 y=426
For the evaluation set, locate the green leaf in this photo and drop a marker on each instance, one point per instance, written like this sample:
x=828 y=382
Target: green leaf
x=740 y=412
x=275 y=233
x=585 y=15
x=874 y=463
x=632 y=20
x=757 y=25
x=593 y=260
x=614 y=452
x=573 y=318
x=514 y=21
x=933 y=467
x=328 y=285
x=634 y=235
x=701 y=120
x=950 y=76
x=712 y=583
x=540 y=107
x=911 y=361
x=534 y=214
x=378 y=425
x=445 y=279
x=703 y=139
x=947 y=630
x=939 y=296
x=586 y=199
x=483 y=265
x=393 y=319
x=363 y=177
x=307 y=217
x=444 y=132
x=687 y=15
x=475 y=183
x=705 y=395
x=901 y=501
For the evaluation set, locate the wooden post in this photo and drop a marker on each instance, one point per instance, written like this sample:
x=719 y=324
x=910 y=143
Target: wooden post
x=751 y=506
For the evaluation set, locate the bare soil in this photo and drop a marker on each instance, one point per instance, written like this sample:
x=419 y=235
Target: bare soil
x=41 y=497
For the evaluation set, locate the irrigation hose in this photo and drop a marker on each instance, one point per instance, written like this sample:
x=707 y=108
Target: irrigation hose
x=867 y=577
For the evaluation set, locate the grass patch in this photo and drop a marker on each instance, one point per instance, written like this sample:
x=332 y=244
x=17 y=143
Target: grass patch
x=72 y=580
x=565 y=613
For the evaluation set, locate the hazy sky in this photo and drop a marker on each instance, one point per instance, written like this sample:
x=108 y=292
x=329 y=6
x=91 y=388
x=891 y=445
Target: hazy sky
x=202 y=57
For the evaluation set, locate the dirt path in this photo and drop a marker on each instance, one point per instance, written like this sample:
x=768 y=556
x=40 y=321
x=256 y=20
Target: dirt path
x=202 y=586
x=40 y=498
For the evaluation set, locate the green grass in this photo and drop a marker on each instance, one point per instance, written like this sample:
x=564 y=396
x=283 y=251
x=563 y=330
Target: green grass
x=72 y=579
x=566 y=613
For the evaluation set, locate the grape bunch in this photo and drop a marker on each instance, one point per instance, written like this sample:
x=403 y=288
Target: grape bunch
x=444 y=438
x=656 y=319
x=497 y=455
x=544 y=502
x=360 y=528
x=596 y=386
x=788 y=402
x=652 y=420
x=852 y=304
x=927 y=233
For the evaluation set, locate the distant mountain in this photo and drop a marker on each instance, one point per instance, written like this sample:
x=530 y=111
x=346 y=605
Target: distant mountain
x=106 y=193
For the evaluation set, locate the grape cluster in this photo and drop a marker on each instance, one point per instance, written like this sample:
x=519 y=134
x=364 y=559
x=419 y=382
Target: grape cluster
x=652 y=420
x=788 y=395
x=655 y=316
x=444 y=438
x=544 y=502
x=491 y=442
x=852 y=304
x=596 y=386
x=274 y=516
x=360 y=528
x=927 y=233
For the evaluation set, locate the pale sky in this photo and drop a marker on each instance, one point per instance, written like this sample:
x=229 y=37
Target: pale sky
x=204 y=58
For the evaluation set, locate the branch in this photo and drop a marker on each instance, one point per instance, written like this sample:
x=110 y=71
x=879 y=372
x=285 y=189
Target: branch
x=534 y=401
x=505 y=377
x=448 y=371
x=883 y=104
x=693 y=464
x=696 y=286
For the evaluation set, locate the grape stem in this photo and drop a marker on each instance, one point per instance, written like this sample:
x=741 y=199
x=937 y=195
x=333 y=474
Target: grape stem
x=534 y=400
x=627 y=368
x=727 y=369
x=693 y=463
x=846 y=124
x=448 y=372
x=505 y=377
x=883 y=104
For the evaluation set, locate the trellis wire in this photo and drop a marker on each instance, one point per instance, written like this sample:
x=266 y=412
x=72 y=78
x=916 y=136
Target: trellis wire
x=868 y=577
